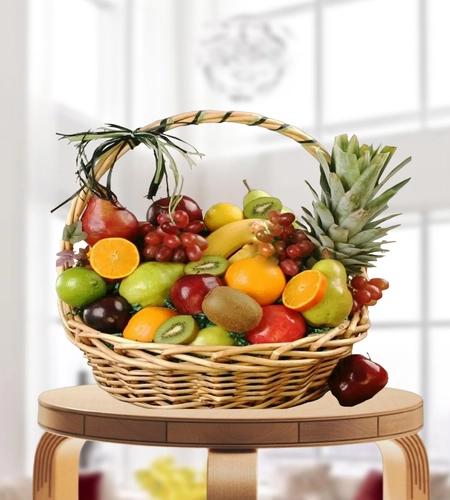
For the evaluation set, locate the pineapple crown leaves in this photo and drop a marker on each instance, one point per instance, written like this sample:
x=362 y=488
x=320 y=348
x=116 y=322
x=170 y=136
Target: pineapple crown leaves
x=115 y=138
x=344 y=224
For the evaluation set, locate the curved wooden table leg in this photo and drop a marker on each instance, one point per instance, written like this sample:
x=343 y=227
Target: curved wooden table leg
x=55 y=475
x=405 y=469
x=232 y=474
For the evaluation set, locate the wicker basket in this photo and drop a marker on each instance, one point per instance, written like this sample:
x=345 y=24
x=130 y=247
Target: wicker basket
x=177 y=376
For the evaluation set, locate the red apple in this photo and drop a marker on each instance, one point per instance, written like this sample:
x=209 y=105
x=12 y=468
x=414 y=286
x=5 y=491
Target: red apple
x=278 y=324
x=188 y=292
x=162 y=206
x=355 y=379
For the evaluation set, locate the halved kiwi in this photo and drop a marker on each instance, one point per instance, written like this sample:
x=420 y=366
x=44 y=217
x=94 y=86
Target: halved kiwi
x=260 y=207
x=181 y=329
x=209 y=264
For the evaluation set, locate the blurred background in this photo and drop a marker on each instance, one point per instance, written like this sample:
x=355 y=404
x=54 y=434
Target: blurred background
x=374 y=68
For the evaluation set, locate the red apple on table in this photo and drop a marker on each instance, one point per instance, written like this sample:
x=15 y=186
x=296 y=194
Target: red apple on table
x=278 y=324
x=188 y=292
x=356 y=379
x=187 y=204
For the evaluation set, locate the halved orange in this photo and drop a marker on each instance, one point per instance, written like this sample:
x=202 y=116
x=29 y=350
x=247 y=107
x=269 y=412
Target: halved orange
x=143 y=325
x=305 y=290
x=114 y=258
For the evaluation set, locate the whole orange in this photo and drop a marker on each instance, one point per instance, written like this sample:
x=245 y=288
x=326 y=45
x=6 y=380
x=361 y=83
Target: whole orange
x=143 y=325
x=260 y=277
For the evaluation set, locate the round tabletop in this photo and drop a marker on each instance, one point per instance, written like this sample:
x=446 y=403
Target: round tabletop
x=90 y=413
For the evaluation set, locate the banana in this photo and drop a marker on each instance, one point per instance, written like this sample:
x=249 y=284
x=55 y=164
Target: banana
x=247 y=251
x=229 y=238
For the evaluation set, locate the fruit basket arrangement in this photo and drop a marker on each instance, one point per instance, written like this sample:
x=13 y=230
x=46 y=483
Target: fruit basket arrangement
x=252 y=306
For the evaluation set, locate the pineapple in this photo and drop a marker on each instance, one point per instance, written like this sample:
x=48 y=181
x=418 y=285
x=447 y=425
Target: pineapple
x=345 y=224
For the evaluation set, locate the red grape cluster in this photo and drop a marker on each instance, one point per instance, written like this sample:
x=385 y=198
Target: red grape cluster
x=279 y=237
x=367 y=292
x=174 y=239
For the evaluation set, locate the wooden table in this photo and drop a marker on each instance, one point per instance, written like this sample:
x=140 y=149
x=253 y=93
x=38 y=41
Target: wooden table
x=72 y=415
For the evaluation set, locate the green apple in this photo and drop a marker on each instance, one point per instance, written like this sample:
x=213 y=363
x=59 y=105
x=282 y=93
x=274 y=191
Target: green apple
x=213 y=335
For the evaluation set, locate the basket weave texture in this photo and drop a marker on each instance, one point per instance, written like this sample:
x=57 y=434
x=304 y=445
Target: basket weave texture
x=165 y=376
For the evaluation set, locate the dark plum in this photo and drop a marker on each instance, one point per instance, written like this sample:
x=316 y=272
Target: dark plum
x=108 y=315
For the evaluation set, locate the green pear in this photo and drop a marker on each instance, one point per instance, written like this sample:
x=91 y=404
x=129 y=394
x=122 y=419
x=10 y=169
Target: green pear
x=253 y=194
x=337 y=302
x=150 y=283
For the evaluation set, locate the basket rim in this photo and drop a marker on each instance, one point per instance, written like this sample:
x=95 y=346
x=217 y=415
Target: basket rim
x=314 y=346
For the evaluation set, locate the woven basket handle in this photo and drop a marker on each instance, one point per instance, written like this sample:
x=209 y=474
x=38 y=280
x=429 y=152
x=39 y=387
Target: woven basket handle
x=244 y=118
x=196 y=118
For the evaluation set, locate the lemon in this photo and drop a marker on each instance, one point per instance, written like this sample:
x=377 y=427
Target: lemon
x=222 y=213
x=79 y=286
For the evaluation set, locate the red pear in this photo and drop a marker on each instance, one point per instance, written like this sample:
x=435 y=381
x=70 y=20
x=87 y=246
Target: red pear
x=104 y=219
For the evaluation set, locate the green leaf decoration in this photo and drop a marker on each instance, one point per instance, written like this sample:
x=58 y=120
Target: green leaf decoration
x=203 y=321
x=239 y=339
x=115 y=139
x=74 y=233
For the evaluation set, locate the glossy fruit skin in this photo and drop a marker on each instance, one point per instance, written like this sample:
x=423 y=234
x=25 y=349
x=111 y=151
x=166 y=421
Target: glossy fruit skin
x=186 y=204
x=278 y=324
x=103 y=219
x=188 y=292
x=108 y=315
x=356 y=379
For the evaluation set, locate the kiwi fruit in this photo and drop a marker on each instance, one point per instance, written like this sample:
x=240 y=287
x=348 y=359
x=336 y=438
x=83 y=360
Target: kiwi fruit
x=181 y=329
x=232 y=309
x=209 y=264
x=260 y=207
